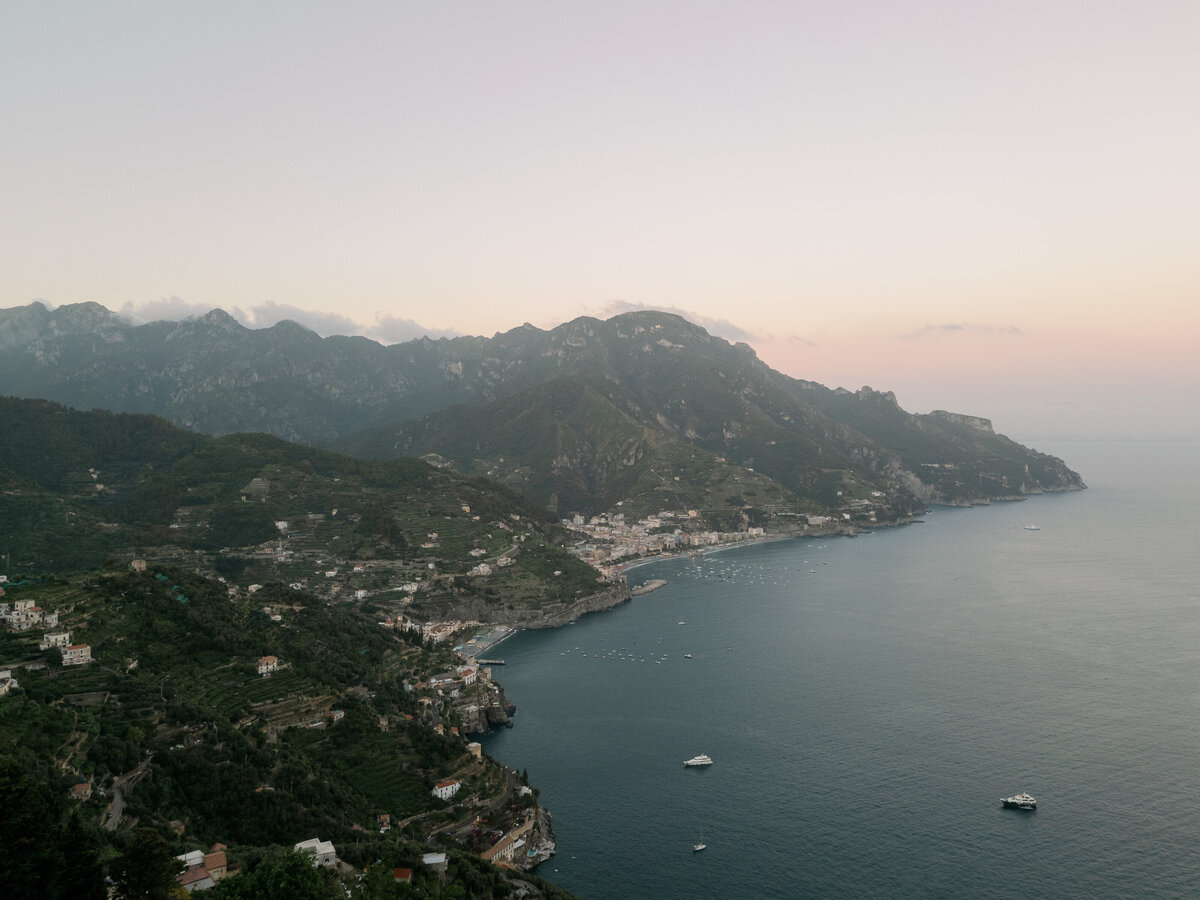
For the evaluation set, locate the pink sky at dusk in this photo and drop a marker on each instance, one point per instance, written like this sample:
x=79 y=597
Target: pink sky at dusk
x=990 y=208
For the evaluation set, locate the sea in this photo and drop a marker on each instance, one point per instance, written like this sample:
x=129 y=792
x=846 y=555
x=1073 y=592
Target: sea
x=868 y=701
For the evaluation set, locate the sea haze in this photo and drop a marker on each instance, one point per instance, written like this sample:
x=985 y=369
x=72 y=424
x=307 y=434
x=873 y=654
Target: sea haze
x=869 y=700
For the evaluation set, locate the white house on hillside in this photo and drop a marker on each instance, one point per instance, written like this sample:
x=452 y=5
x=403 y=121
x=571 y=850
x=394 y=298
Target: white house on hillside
x=55 y=639
x=322 y=852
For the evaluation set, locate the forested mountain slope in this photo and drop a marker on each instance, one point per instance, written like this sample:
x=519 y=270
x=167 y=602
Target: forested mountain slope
x=578 y=418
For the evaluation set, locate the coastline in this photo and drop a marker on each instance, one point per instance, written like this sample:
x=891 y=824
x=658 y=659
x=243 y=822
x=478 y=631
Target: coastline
x=619 y=592
x=619 y=573
x=622 y=568
x=570 y=787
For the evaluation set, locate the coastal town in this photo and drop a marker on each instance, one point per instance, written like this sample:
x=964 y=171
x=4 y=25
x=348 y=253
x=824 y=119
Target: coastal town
x=610 y=541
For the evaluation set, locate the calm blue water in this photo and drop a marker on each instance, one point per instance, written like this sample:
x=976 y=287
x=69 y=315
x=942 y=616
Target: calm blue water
x=868 y=701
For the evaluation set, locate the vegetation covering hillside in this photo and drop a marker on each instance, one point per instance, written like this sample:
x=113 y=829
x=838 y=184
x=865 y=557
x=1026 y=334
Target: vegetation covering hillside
x=578 y=418
x=174 y=729
x=80 y=490
x=955 y=459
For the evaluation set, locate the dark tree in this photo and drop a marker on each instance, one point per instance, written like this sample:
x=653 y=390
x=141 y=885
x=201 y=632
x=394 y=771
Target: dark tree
x=278 y=874
x=45 y=854
x=147 y=869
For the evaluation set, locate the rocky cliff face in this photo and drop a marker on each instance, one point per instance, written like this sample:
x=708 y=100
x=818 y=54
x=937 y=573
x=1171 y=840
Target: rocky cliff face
x=497 y=713
x=975 y=423
x=602 y=600
x=548 y=616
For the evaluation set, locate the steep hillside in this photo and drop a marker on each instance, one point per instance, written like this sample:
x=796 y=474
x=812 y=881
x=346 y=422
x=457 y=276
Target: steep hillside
x=574 y=417
x=204 y=719
x=80 y=490
x=947 y=457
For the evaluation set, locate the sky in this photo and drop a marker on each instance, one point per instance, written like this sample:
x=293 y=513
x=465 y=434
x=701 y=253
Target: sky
x=987 y=207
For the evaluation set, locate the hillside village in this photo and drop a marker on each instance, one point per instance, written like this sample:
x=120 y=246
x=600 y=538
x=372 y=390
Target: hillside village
x=471 y=805
x=408 y=589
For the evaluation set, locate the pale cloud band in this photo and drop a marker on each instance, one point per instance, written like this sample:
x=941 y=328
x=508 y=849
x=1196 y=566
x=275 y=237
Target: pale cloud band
x=386 y=329
x=390 y=329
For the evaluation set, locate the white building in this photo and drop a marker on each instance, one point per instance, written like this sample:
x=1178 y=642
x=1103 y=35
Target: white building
x=192 y=858
x=23 y=615
x=445 y=790
x=55 y=639
x=322 y=852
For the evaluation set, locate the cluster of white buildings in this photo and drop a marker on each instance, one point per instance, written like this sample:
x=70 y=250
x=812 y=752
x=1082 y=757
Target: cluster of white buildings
x=21 y=615
x=452 y=682
x=435 y=631
x=612 y=539
x=487 y=569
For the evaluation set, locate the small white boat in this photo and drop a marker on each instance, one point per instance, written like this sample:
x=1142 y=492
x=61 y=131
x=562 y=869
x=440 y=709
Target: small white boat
x=702 y=760
x=1032 y=528
x=697 y=847
x=1019 y=801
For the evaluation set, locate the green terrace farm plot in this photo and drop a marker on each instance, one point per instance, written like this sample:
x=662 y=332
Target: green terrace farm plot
x=82 y=680
x=231 y=695
x=381 y=777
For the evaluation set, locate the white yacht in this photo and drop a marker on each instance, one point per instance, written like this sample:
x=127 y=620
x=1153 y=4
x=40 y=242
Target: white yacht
x=1019 y=801
x=702 y=760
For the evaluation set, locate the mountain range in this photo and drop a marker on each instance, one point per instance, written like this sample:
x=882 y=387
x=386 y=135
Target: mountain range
x=641 y=412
